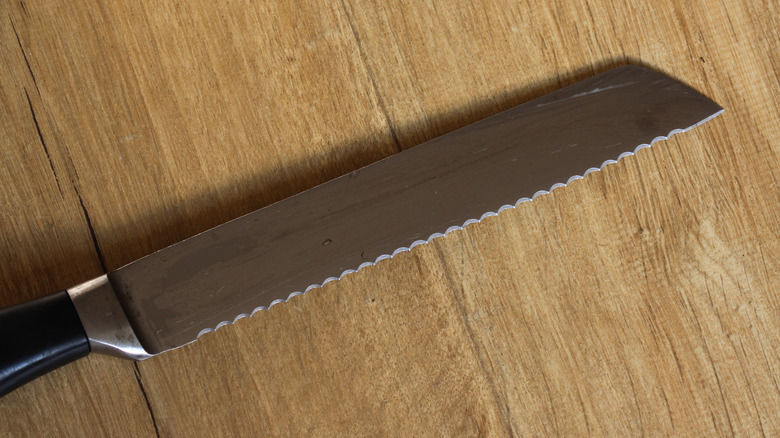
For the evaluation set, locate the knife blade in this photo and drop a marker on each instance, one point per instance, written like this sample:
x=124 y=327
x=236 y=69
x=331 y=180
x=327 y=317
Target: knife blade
x=171 y=297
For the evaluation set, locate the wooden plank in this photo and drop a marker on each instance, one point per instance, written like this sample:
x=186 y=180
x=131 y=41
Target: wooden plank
x=45 y=245
x=571 y=298
x=641 y=300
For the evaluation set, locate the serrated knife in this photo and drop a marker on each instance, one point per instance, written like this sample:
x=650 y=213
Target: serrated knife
x=171 y=297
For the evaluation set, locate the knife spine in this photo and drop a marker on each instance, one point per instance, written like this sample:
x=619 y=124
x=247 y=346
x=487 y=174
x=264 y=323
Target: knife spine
x=466 y=223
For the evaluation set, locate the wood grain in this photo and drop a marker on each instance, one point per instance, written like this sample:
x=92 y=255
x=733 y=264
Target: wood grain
x=642 y=300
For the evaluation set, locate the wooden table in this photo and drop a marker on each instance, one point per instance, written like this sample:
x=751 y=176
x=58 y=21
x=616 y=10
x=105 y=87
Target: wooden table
x=643 y=300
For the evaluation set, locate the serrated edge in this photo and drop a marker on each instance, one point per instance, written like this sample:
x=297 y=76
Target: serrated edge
x=455 y=227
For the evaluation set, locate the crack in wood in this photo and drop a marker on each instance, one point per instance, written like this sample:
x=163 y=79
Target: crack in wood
x=370 y=74
x=91 y=230
x=24 y=55
x=500 y=398
x=43 y=142
x=146 y=398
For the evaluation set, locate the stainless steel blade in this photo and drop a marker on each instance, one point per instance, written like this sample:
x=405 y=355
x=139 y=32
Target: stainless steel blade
x=174 y=295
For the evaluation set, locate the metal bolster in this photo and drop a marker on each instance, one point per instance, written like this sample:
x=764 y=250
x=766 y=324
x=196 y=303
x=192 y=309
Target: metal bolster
x=104 y=321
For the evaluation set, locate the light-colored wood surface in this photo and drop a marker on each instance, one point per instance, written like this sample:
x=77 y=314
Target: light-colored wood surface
x=643 y=300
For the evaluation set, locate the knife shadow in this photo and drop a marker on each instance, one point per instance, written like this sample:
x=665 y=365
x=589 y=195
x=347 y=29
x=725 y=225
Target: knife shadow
x=127 y=243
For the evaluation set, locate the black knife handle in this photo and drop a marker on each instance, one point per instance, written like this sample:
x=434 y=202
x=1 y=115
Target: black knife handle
x=37 y=337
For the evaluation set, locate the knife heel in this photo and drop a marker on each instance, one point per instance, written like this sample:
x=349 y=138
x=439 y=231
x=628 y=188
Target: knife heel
x=37 y=337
